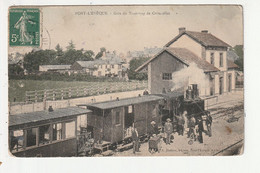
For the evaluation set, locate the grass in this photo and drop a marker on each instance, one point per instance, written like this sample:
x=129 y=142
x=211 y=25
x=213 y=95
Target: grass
x=17 y=88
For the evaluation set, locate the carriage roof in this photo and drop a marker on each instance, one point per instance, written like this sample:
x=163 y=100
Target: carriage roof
x=125 y=102
x=36 y=117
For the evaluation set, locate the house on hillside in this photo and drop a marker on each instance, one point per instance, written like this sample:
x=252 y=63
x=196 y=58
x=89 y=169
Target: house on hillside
x=111 y=67
x=208 y=52
x=54 y=68
x=83 y=67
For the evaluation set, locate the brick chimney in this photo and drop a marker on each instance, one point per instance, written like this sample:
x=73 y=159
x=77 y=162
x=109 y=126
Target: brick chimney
x=204 y=31
x=182 y=29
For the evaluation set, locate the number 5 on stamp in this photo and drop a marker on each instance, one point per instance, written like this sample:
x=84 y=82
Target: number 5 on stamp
x=24 y=27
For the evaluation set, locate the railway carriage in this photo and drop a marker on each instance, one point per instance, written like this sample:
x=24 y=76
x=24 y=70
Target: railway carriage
x=45 y=133
x=111 y=120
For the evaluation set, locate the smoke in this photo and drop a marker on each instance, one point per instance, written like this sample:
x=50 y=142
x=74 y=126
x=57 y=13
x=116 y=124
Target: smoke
x=190 y=75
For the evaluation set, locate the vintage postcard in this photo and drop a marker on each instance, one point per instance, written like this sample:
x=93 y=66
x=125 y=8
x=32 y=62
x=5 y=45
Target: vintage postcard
x=129 y=80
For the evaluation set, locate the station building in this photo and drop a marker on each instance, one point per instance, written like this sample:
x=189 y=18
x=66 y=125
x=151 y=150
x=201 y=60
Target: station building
x=207 y=51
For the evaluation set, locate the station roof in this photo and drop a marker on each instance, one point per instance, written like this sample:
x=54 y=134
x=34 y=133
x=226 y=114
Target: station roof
x=125 y=102
x=35 y=117
x=185 y=56
x=205 y=39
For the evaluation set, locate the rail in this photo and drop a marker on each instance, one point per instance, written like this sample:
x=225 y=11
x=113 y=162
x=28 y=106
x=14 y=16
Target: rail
x=229 y=147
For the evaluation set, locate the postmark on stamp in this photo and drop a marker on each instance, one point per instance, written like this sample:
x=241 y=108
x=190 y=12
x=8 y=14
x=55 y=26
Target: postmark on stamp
x=24 y=27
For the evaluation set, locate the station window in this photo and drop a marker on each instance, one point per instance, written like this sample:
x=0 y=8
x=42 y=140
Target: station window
x=17 y=140
x=112 y=66
x=117 y=118
x=167 y=76
x=44 y=134
x=212 y=58
x=70 y=129
x=31 y=137
x=221 y=59
x=57 y=131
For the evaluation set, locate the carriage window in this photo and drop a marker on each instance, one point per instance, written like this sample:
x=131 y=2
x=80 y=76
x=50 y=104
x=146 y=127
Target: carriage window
x=44 y=134
x=70 y=129
x=31 y=137
x=117 y=118
x=155 y=111
x=17 y=140
x=130 y=109
x=57 y=131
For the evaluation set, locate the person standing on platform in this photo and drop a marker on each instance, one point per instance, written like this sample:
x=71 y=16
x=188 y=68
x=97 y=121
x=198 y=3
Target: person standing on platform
x=181 y=123
x=135 y=138
x=200 y=127
x=154 y=128
x=168 y=129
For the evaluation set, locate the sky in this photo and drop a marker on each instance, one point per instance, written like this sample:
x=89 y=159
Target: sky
x=127 y=28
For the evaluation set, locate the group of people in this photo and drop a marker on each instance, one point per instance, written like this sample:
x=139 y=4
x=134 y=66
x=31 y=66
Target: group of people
x=193 y=126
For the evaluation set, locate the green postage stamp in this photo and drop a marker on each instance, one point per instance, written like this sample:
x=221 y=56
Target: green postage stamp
x=24 y=27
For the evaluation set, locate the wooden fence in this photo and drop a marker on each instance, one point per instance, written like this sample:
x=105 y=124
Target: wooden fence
x=75 y=92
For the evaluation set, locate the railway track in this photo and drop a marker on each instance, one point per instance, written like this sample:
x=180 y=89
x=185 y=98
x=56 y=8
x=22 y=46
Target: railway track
x=234 y=149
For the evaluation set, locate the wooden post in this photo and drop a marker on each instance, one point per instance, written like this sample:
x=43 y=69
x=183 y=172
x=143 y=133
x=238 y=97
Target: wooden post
x=85 y=91
x=37 y=136
x=44 y=100
x=77 y=89
x=36 y=96
x=51 y=132
x=62 y=94
x=25 y=139
x=53 y=95
x=69 y=92
x=26 y=97
x=63 y=135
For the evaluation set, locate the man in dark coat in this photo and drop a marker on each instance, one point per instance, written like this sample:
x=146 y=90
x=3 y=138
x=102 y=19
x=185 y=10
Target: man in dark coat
x=154 y=128
x=135 y=138
x=181 y=123
x=191 y=125
x=201 y=129
x=168 y=129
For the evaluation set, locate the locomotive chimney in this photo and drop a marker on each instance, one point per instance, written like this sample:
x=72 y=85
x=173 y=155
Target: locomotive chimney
x=192 y=92
x=204 y=31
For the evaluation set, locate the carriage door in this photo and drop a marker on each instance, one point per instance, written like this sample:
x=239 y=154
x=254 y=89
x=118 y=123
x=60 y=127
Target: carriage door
x=129 y=118
x=220 y=85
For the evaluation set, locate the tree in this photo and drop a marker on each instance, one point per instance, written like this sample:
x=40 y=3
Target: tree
x=134 y=64
x=71 y=45
x=33 y=59
x=100 y=53
x=239 y=50
x=15 y=69
x=73 y=55
x=89 y=55
x=59 y=50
